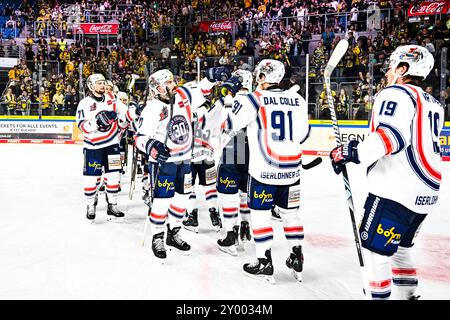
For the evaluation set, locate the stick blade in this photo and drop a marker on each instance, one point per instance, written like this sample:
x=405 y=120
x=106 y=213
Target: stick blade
x=336 y=56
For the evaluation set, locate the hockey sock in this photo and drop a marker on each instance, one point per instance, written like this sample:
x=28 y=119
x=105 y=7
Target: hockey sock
x=404 y=273
x=158 y=214
x=293 y=229
x=229 y=206
x=191 y=201
x=145 y=182
x=262 y=231
x=112 y=186
x=378 y=275
x=211 y=196
x=177 y=209
x=90 y=185
x=244 y=210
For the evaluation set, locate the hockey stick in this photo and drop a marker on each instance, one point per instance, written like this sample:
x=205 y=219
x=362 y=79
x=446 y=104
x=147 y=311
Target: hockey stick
x=312 y=164
x=133 y=172
x=338 y=53
x=155 y=180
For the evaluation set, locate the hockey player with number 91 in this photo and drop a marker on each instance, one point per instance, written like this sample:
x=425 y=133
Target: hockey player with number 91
x=403 y=162
x=277 y=123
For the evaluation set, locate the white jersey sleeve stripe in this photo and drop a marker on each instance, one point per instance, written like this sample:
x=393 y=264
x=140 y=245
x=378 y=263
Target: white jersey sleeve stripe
x=394 y=135
x=419 y=136
x=418 y=171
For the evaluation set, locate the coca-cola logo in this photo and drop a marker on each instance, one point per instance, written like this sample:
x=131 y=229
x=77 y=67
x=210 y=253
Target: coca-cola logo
x=221 y=25
x=96 y=28
x=107 y=28
x=427 y=8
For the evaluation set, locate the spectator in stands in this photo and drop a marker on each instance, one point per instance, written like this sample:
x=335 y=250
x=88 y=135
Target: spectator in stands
x=23 y=104
x=328 y=37
x=70 y=102
x=295 y=51
x=343 y=103
x=44 y=99
x=323 y=103
x=10 y=101
x=58 y=102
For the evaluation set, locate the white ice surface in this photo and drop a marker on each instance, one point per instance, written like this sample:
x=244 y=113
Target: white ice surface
x=49 y=251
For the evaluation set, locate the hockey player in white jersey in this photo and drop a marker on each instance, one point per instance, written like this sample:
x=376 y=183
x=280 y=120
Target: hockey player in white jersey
x=277 y=123
x=165 y=134
x=207 y=131
x=233 y=169
x=100 y=117
x=403 y=163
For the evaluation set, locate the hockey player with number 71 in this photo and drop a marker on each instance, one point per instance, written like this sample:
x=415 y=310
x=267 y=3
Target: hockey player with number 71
x=403 y=163
x=100 y=116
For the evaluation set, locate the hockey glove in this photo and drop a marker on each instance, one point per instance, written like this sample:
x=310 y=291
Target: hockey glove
x=157 y=150
x=105 y=119
x=140 y=106
x=344 y=154
x=218 y=74
x=233 y=85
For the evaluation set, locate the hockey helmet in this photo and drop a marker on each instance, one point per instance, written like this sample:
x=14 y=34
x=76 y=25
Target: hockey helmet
x=418 y=58
x=246 y=78
x=122 y=96
x=93 y=79
x=273 y=70
x=159 y=79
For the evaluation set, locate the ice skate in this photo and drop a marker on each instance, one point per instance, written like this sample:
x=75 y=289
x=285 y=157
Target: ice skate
x=114 y=214
x=262 y=269
x=244 y=232
x=275 y=214
x=228 y=244
x=295 y=262
x=147 y=199
x=158 y=246
x=191 y=223
x=215 y=219
x=174 y=241
x=90 y=215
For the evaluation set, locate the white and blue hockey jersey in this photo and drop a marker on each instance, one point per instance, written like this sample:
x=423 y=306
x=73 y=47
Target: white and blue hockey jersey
x=175 y=129
x=402 y=152
x=86 y=113
x=277 y=123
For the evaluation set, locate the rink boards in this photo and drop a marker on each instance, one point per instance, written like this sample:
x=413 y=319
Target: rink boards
x=63 y=130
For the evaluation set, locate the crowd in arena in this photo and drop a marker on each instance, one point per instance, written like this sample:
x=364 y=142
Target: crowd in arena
x=281 y=30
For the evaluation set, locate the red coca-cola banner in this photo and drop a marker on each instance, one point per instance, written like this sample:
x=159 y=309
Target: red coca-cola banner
x=216 y=26
x=99 y=28
x=429 y=8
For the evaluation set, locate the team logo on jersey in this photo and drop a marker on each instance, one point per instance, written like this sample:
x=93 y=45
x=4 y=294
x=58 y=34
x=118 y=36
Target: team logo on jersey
x=178 y=130
x=263 y=196
x=164 y=113
x=387 y=235
x=228 y=182
x=392 y=237
x=93 y=107
x=166 y=184
x=95 y=165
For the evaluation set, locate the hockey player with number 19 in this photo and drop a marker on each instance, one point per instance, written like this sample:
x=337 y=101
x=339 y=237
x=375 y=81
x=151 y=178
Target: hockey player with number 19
x=403 y=162
x=99 y=117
